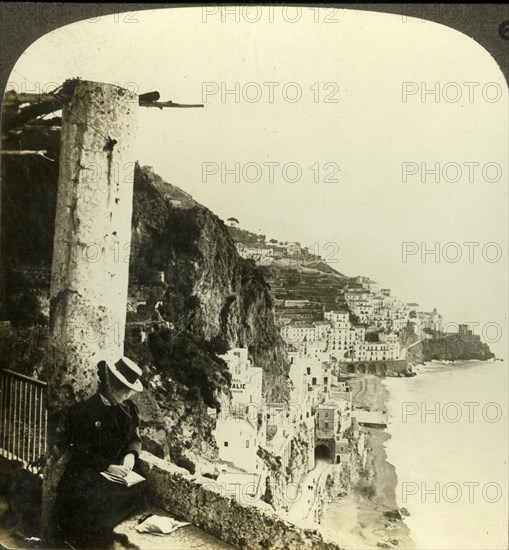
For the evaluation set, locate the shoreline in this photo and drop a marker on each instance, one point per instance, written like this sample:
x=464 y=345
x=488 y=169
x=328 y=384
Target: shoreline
x=365 y=513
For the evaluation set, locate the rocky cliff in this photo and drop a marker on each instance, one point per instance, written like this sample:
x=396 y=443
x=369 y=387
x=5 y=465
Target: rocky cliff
x=455 y=347
x=208 y=300
x=442 y=347
x=209 y=291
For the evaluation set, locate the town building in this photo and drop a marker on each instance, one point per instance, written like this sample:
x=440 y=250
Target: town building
x=338 y=318
x=298 y=332
x=342 y=449
x=327 y=420
x=371 y=351
x=238 y=440
x=246 y=384
x=431 y=320
x=241 y=426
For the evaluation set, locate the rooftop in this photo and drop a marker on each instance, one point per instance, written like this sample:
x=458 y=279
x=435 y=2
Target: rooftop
x=370 y=417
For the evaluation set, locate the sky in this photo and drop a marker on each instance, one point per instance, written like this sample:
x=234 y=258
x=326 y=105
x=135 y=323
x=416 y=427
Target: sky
x=332 y=123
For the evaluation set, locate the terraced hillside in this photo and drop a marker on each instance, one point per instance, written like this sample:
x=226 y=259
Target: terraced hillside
x=301 y=282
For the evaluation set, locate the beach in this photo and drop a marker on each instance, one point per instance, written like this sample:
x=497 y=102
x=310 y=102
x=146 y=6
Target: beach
x=451 y=448
x=448 y=443
x=362 y=513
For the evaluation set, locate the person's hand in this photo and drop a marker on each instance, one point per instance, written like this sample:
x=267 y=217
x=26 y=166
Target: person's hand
x=118 y=470
x=128 y=461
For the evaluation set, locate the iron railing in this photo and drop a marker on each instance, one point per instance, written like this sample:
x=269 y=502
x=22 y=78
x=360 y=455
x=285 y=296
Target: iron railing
x=23 y=419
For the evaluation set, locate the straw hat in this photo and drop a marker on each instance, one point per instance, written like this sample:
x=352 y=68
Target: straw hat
x=127 y=372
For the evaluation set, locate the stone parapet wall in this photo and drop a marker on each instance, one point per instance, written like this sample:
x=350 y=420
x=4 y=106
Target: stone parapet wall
x=204 y=503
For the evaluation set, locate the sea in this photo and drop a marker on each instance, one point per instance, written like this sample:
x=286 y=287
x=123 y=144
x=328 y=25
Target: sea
x=449 y=445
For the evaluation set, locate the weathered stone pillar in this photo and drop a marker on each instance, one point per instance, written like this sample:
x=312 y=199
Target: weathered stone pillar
x=91 y=250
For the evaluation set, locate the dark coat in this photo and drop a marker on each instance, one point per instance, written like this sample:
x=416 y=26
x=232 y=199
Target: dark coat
x=88 y=505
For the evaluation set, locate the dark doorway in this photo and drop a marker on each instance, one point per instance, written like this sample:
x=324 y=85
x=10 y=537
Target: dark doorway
x=322 y=452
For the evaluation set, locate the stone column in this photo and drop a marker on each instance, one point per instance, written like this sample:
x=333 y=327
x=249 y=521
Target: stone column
x=91 y=250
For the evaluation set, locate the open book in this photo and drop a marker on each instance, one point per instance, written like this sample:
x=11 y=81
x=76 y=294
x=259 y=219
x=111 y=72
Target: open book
x=132 y=478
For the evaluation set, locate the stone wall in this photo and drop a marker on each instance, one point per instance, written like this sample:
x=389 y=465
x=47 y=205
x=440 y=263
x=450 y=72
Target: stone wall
x=202 y=502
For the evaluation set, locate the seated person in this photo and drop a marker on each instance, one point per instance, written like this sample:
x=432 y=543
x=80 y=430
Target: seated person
x=102 y=435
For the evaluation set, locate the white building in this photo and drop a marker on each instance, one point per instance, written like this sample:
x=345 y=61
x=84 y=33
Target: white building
x=246 y=385
x=317 y=350
x=342 y=449
x=360 y=332
x=371 y=351
x=296 y=333
x=354 y=295
x=399 y=324
x=386 y=350
x=301 y=399
x=238 y=440
x=431 y=320
x=322 y=329
x=340 y=392
x=281 y=445
x=339 y=319
x=341 y=340
x=327 y=420
x=334 y=416
x=241 y=426
x=393 y=345
x=257 y=253
x=296 y=303
x=372 y=286
x=342 y=396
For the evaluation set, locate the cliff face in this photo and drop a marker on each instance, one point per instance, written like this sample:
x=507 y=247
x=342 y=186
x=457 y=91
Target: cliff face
x=415 y=355
x=454 y=347
x=410 y=341
x=443 y=347
x=208 y=290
